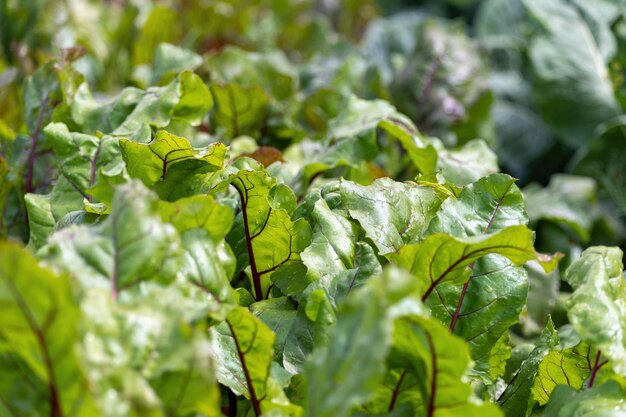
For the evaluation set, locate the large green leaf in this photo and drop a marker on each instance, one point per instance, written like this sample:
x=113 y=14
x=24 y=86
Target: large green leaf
x=391 y=213
x=270 y=238
x=597 y=307
x=571 y=85
x=439 y=362
x=495 y=293
x=131 y=246
x=441 y=258
x=40 y=331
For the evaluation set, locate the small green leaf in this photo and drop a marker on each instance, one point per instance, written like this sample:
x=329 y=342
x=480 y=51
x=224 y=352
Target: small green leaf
x=151 y=162
x=569 y=367
x=516 y=400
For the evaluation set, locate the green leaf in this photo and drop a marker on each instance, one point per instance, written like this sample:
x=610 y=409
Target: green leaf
x=494 y=298
x=198 y=212
x=279 y=315
x=601 y=160
x=439 y=361
x=335 y=260
x=151 y=162
x=605 y=400
x=467 y=164
x=186 y=98
x=131 y=246
x=4 y=191
x=423 y=155
x=208 y=263
x=441 y=258
x=566 y=200
x=496 y=291
x=40 y=326
x=571 y=85
x=270 y=238
x=41 y=221
x=80 y=157
x=359 y=116
x=345 y=373
x=516 y=399
x=569 y=367
x=170 y=59
x=243 y=348
x=239 y=110
x=491 y=204
x=391 y=213
x=597 y=307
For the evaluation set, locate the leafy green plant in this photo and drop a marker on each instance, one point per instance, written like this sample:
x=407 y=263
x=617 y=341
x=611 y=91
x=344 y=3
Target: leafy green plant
x=262 y=217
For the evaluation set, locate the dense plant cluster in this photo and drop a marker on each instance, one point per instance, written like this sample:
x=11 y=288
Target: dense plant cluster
x=283 y=208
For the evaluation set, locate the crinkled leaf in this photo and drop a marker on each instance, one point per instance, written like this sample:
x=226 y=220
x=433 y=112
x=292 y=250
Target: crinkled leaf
x=597 y=307
x=391 y=213
x=132 y=245
x=335 y=259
